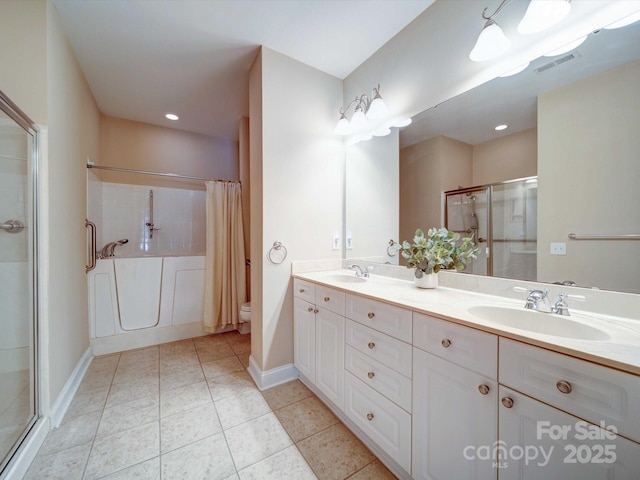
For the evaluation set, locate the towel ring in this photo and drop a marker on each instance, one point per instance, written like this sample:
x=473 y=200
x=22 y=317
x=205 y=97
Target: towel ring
x=393 y=248
x=277 y=253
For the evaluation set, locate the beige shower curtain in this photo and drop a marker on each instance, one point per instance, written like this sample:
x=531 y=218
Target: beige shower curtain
x=225 y=287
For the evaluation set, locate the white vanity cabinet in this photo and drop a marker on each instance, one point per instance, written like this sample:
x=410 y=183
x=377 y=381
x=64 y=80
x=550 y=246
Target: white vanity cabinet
x=455 y=396
x=319 y=338
x=580 y=398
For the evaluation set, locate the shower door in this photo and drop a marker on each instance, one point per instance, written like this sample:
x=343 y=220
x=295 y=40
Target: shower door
x=467 y=214
x=18 y=395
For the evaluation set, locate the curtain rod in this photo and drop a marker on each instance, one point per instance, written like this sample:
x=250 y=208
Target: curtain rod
x=159 y=174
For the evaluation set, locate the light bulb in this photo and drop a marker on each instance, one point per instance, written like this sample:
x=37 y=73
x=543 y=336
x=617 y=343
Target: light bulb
x=491 y=43
x=543 y=14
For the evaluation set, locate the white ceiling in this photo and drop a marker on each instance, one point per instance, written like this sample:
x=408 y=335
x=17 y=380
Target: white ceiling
x=143 y=58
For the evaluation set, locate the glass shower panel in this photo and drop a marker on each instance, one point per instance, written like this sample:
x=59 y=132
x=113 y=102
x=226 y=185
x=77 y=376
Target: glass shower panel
x=514 y=227
x=467 y=214
x=17 y=320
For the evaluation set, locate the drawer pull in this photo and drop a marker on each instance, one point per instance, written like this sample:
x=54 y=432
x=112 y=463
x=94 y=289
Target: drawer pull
x=302 y=290
x=507 y=402
x=369 y=416
x=484 y=389
x=326 y=299
x=316 y=311
x=371 y=345
x=310 y=309
x=371 y=374
x=446 y=343
x=371 y=315
x=564 y=387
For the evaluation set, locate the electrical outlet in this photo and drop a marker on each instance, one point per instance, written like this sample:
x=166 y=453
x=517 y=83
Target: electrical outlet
x=349 y=241
x=558 y=249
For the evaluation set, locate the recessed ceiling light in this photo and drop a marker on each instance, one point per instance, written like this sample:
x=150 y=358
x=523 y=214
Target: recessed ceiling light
x=501 y=127
x=171 y=116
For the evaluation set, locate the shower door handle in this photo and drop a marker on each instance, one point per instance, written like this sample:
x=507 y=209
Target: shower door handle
x=92 y=246
x=12 y=226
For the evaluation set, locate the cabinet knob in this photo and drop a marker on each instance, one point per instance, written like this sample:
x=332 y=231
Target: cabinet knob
x=564 y=387
x=371 y=374
x=302 y=290
x=484 y=389
x=446 y=343
x=310 y=309
x=371 y=315
x=316 y=311
x=369 y=416
x=371 y=345
x=326 y=299
x=507 y=402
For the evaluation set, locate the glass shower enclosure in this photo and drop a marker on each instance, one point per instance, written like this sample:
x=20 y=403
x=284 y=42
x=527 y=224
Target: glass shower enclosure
x=502 y=220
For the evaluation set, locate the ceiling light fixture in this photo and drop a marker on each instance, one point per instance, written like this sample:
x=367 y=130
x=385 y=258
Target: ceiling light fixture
x=543 y=14
x=501 y=127
x=171 y=116
x=371 y=117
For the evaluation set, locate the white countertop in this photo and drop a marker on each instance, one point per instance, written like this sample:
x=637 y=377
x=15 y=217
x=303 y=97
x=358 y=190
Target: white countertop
x=621 y=350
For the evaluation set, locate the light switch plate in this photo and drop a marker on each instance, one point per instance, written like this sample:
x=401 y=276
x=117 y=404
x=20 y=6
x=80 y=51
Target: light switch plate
x=558 y=249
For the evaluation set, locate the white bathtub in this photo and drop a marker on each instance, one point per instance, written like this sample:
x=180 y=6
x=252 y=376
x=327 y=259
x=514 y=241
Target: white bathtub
x=136 y=302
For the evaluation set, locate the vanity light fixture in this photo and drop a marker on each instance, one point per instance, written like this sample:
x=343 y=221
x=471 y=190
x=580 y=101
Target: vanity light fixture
x=171 y=116
x=540 y=15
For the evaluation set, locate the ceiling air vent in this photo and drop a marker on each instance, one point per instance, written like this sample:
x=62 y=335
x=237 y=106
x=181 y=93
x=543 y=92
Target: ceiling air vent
x=558 y=61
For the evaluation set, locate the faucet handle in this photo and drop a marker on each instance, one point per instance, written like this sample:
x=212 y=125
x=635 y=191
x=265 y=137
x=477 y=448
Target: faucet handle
x=561 y=307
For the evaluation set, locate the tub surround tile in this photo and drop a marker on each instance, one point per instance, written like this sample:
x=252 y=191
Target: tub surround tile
x=208 y=458
x=241 y=408
x=127 y=415
x=256 y=440
x=222 y=366
x=112 y=453
x=189 y=426
x=305 y=418
x=288 y=464
x=335 y=453
x=286 y=394
x=64 y=465
x=374 y=471
x=71 y=433
x=148 y=470
x=184 y=398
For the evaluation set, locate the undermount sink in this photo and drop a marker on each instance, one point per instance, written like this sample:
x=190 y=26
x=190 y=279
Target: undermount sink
x=538 y=322
x=338 y=277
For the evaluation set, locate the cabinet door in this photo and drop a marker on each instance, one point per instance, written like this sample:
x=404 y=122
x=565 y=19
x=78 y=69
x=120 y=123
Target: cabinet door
x=304 y=342
x=451 y=418
x=539 y=442
x=330 y=356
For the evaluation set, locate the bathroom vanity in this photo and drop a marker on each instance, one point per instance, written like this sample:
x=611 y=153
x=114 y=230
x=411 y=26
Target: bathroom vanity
x=442 y=384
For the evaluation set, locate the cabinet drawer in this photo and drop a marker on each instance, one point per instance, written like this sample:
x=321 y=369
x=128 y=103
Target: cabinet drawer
x=332 y=300
x=379 y=377
x=464 y=346
x=305 y=290
x=381 y=420
x=593 y=392
x=386 y=318
x=387 y=350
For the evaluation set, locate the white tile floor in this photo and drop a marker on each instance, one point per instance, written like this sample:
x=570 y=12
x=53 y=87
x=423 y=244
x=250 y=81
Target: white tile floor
x=189 y=410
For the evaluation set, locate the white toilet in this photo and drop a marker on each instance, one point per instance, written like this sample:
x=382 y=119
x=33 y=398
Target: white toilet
x=245 y=318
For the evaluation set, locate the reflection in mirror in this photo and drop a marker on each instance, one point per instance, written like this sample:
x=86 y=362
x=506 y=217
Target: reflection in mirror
x=572 y=122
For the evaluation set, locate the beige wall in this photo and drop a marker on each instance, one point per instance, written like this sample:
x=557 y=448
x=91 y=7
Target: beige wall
x=23 y=55
x=301 y=187
x=589 y=174
x=74 y=124
x=426 y=170
x=140 y=146
x=506 y=158
x=245 y=177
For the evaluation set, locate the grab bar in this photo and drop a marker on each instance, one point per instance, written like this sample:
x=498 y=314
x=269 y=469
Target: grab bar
x=628 y=236
x=12 y=226
x=92 y=246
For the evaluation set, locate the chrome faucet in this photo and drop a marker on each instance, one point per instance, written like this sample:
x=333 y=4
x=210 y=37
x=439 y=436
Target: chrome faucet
x=561 y=307
x=108 y=250
x=360 y=272
x=538 y=300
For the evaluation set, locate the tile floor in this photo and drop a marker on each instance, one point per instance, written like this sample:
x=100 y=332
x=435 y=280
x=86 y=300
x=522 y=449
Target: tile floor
x=189 y=410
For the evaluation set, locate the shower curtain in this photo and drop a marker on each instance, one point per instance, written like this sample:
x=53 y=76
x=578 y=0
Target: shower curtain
x=225 y=287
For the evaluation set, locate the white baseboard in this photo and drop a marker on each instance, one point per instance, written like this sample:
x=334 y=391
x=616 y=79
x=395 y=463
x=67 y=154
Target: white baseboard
x=21 y=461
x=60 y=406
x=271 y=378
x=146 y=337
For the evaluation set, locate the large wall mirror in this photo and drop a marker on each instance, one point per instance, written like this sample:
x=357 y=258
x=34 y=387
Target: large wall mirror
x=574 y=122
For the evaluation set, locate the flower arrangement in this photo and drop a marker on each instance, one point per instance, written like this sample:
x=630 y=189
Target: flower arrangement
x=438 y=250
